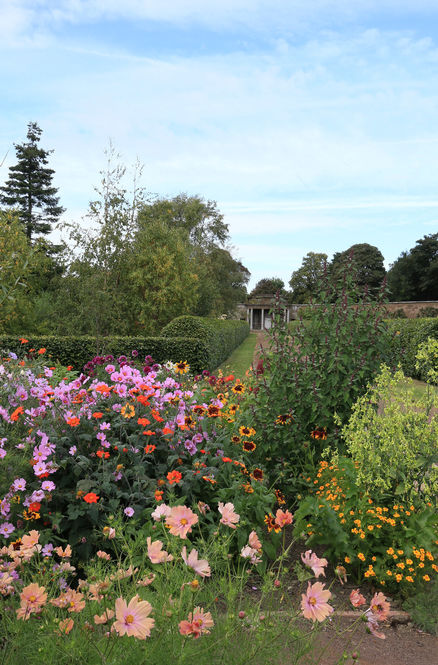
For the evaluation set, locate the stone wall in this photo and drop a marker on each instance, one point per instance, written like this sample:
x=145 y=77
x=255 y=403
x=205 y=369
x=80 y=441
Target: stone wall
x=412 y=308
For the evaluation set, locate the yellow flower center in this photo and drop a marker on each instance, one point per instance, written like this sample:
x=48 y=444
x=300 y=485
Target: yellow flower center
x=32 y=599
x=184 y=521
x=312 y=601
x=129 y=619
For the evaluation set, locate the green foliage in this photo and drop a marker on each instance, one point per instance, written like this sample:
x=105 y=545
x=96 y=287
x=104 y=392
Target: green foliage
x=394 y=438
x=368 y=263
x=406 y=336
x=315 y=374
x=77 y=351
x=414 y=276
x=304 y=281
x=427 y=312
x=267 y=286
x=423 y=608
x=29 y=188
x=376 y=537
x=221 y=337
x=397 y=314
x=427 y=360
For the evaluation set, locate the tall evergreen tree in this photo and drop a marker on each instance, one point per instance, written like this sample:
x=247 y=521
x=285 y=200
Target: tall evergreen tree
x=29 y=189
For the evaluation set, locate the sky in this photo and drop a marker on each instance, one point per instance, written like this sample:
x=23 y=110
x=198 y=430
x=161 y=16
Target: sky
x=312 y=124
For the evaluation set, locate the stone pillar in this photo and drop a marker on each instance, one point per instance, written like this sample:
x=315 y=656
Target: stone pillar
x=250 y=318
x=263 y=318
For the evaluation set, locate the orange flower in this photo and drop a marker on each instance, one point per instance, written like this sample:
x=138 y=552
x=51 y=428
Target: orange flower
x=148 y=432
x=69 y=368
x=73 y=422
x=91 y=497
x=149 y=448
x=41 y=351
x=143 y=421
x=158 y=495
x=23 y=340
x=174 y=477
x=16 y=414
x=97 y=414
x=103 y=453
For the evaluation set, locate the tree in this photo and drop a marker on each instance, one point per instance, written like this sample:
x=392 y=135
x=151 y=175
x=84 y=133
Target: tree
x=222 y=282
x=414 y=276
x=367 y=262
x=29 y=189
x=267 y=286
x=305 y=280
x=201 y=219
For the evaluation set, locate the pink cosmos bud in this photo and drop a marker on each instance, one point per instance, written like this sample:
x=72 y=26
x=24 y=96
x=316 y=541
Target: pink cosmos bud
x=277 y=584
x=242 y=614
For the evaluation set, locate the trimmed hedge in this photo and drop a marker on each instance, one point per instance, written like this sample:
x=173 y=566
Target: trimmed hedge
x=77 y=351
x=221 y=337
x=408 y=334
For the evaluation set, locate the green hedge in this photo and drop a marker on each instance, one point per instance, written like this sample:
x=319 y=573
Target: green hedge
x=221 y=337
x=407 y=335
x=77 y=351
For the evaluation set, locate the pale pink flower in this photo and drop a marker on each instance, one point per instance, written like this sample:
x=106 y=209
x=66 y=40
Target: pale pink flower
x=200 y=566
x=282 y=518
x=254 y=542
x=145 y=581
x=133 y=619
x=29 y=541
x=75 y=601
x=162 y=510
x=310 y=559
x=373 y=623
x=198 y=623
x=155 y=552
x=64 y=554
x=229 y=517
x=314 y=602
x=356 y=598
x=65 y=626
x=109 y=532
x=250 y=553
x=33 y=597
x=103 y=555
x=103 y=618
x=379 y=606
x=181 y=520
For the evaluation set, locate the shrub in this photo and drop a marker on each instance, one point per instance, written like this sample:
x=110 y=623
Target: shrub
x=397 y=314
x=312 y=377
x=77 y=351
x=375 y=536
x=427 y=312
x=221 y=337
x=427 y=360
x=394 y=437
x=406 y=337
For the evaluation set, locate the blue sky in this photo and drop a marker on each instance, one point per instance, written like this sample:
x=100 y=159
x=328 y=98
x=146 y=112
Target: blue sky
x=312 y=124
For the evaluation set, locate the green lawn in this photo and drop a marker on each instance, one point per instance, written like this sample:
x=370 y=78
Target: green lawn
x=241 y=358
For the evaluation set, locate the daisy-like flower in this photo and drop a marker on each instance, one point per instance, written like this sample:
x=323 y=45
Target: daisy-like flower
x=310 y=559
x=229 y=517
x=65 y=626
x=319 y=433
x=199 y=623
x=249 y=446
x=246 y=431
x=356 y=598
x=238 y=388
x=283 y=518
x=156 y=553
x=160 y=511
x=284 y=419
x=129 y=511
x=103 y=555
x=254 y=542
x=6 y=529
x=271 y=523
x=314 y=602
x=181 y=520
x=182 y=367
x=250 y=553
x=379 y=606
x=103 y=618
x=133 y=619
x=32 y=598
x=200 y=566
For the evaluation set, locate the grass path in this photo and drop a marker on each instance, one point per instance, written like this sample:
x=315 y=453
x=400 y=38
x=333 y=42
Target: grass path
x=241 y=359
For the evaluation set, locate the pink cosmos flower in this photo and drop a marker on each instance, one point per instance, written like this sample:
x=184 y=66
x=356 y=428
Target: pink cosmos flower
x=129 y=511
x=180 y=521
x=314 y=602
x=133 y=619
x=103 y=555
x=379 y=606
x=250 y=553
x=356 y=598
x=198 y=623
x=200 y=566
x=372 y=625
x=203 y=507
x=254 y=542
x=103 y=618
x=155 y=552
x=65 y=626
x=162 y=510
x=310 y=559
x=282 y=518
x=229 y=517
x=33 y=597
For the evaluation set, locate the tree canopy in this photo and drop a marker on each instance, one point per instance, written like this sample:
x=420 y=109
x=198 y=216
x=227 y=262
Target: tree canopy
x=367 y=262
x=267 y=286
x=29 y=189
x=304 y=281
x=414 y=275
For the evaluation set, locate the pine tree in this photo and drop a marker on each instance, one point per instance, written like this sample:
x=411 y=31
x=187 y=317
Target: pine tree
x=29 y=189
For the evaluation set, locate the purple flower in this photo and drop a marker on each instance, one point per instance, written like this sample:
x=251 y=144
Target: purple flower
x=109 y=358
x=48 y=486
x=110 y=369
x=47 y=550
x=148 y=360
x=6 y=529
x=122 y=359
x=19 y=485
x=3 y=453
x=129 y=511
x=134 y=353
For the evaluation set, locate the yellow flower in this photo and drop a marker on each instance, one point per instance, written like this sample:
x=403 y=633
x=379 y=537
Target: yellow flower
x=127 y=411
x=361 y=556
x=390 y=551
x=399 y=578
x=347 y=559
x=426 y=578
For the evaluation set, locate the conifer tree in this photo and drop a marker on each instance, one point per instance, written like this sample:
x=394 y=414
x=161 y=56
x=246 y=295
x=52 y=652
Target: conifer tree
x=29 y=189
